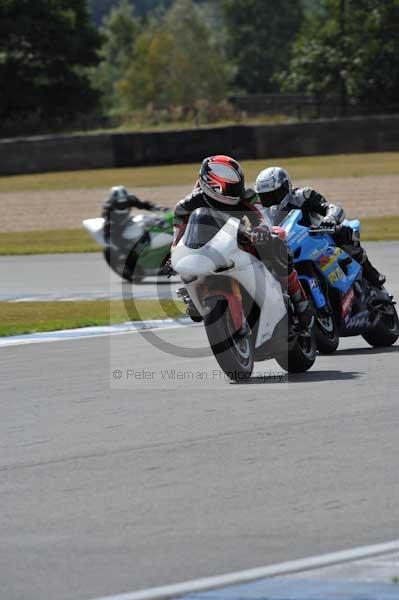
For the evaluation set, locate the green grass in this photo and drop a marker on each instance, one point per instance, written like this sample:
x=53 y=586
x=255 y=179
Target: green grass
x=59 y=241
x=342 y=165
x=30 y=317
x=380 y=229
x=56 y=241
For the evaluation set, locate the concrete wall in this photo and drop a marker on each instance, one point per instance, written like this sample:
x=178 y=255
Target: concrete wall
x=65 y=153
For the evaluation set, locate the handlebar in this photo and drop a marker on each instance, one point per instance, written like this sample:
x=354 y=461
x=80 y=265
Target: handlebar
x=317 y=230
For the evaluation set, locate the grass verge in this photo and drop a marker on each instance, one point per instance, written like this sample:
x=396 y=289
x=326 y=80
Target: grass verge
x=30 y=317
x=58 y=241
x=311 y=167
x=52 y=241
x=380 y=229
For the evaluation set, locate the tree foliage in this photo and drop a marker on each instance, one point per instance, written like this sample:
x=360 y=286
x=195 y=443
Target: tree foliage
x=260 y=35
x=188 y=54
x=45 y=48
x=100 y=8
x=350 y=48
x=176 y=62
x=120 y=30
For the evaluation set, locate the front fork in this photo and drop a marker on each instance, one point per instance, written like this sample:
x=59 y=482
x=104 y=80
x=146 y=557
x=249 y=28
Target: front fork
x=318 y=297
x=231 y=292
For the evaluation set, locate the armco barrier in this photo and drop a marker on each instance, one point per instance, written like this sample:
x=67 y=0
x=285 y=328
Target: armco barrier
x=73 y=152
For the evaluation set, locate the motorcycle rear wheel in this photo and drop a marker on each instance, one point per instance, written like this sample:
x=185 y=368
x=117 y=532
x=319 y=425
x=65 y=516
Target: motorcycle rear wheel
x=386 y=332
x=233 y=353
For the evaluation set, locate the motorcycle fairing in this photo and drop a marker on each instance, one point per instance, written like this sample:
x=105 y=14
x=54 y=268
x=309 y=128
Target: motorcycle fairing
x=335 y=265
x=221 y=256
x=95 y=227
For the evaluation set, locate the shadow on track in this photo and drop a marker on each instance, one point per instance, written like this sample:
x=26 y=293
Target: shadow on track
x=330 y=375
x=308 y=377
x=360 y=351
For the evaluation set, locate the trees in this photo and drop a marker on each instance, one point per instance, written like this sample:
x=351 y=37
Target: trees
x=259 y=37
x=376 y=47
x=176 y=62
x=45 y=47
x=100 y=8
x=349 y=49
x=120 y=30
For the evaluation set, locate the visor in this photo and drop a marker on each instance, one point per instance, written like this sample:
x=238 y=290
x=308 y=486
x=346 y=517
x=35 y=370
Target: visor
x=273 y=197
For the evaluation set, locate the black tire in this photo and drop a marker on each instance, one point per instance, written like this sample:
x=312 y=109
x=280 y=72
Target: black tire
x=386 y=332
x=326 y=332
x=137 y=277
x=300 y=357
x=234 y=355
x=124 y=271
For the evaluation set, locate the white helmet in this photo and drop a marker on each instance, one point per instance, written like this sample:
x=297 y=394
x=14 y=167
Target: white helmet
x=273 y=186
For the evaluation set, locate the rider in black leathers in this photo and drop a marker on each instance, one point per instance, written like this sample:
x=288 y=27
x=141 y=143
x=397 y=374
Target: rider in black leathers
x=221 y=186
x=116 y=211
x=274 y=188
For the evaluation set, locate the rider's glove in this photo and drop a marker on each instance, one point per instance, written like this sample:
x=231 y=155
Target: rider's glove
x=259 y=235
x=328 y=223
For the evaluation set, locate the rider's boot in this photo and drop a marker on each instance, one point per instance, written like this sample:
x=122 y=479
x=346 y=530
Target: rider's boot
x=300 y=301
x=373 y=276
x=369 y=271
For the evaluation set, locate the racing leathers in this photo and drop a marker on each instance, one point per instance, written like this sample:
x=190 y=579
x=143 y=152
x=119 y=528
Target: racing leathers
x=271 y=247
x=315 y=207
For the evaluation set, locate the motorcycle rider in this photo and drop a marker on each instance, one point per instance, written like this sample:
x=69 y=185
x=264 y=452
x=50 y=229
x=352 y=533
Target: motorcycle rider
x=116 y=211
x=274 y=188
x=116 y=214
x=220 y=186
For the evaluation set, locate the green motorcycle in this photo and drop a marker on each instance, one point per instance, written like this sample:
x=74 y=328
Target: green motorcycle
x=142 y=246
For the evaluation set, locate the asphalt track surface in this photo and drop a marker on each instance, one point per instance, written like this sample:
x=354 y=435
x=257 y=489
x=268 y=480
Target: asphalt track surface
x=70 y=276
x=113 y=484
x=78 y=276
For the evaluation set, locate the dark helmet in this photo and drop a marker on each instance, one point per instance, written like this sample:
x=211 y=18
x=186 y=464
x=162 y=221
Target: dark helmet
x=222 y=178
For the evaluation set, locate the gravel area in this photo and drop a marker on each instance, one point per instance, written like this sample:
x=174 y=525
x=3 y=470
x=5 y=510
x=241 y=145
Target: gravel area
x=22 y=211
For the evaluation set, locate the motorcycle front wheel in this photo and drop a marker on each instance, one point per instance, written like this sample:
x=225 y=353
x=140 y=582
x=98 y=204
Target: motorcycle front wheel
x=325 y=330
x=233 y=352
x=300 y=357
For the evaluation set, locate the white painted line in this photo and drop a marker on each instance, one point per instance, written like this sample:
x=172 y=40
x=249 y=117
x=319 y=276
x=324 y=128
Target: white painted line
x=239 y=577
x=77 y=297
x=92 y=332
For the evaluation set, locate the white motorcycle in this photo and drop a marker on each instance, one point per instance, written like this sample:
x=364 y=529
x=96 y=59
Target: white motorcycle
x=247 y=315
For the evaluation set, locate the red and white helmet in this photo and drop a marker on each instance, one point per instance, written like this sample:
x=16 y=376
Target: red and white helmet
x=222 y=179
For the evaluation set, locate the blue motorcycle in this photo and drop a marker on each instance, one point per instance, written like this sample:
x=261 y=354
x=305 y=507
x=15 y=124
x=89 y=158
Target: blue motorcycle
x=344 y=302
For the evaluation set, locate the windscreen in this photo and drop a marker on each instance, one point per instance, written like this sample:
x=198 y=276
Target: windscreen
x=275 y=215
x=203 y=225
